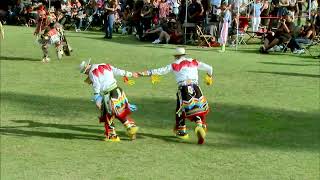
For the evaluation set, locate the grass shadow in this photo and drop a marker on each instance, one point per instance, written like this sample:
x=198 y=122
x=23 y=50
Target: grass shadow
x=287 y=64
x=288 y=74
x=239 y=125
x=33 y=128
x=6 y=58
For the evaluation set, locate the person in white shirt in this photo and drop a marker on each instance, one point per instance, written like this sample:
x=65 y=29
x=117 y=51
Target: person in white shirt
x=191 y=104
x=256 y=12
x=109 y=98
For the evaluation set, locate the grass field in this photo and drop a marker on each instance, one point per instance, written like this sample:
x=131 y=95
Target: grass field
x=264 y=122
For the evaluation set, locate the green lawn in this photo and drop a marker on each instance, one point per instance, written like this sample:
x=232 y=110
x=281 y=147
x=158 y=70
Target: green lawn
x=264 y=122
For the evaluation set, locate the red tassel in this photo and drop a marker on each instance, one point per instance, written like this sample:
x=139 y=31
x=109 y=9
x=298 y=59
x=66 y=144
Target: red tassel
x=125 y=79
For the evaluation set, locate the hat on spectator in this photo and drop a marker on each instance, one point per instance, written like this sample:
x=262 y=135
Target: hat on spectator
x=180 y=51
x=84 y=66
x=173 y=21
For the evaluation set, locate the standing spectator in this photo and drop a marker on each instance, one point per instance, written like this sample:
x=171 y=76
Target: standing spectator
x=206 y=10
x=284 y=4
x=226 y=22
x=110 y=10
x=274 y=13
x=175 y=8
x=293 y=8
x=163 y=9
x=316 y=21
x=256 y=12
x=146 y=16
x=265 y=12
x=195 y=12
x=300 y=6
x=216 y=10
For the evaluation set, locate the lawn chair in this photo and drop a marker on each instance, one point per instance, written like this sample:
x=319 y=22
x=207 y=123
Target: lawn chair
x=285 y=45
x=203 y=40
x=313 y=48
x=256 y=35
x=241 y=36
x=185 y=26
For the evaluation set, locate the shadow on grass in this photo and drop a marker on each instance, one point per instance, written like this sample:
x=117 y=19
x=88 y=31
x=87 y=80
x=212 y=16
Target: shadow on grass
x=6 y=58
x=117 y=39
x=288 y=74
x=252 y=51
x=240 y=125
x=288 y=64
x=33 y=128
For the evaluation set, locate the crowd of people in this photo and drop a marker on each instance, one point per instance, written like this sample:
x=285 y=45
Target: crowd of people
x=164 y=21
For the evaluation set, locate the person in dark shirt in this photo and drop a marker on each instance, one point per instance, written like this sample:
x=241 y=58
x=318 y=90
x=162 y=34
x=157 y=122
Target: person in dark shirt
x=283 y=34
x=317 y=22
x=195 y=12
x=110 y=10
x=146 y=14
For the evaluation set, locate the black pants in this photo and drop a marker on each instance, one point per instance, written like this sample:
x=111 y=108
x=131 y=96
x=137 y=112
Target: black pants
x=186 y=93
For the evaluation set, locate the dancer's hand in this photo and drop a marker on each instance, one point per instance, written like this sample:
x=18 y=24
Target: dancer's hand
x=208 y=80
x=144 y=73
x=135 y=74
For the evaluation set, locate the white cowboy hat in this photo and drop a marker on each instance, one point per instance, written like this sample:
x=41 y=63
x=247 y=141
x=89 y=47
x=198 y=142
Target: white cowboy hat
x=180 y=51
x=84 y=66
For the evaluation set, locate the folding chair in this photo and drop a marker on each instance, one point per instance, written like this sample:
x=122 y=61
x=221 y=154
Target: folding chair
x=185 y=26
x=314 y=47
x=90 y=19
x=204 y=40
x=285 y=45
x=241 y=36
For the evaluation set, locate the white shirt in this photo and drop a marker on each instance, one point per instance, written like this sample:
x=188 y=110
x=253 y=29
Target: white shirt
x=102 y=76
x=184 y=69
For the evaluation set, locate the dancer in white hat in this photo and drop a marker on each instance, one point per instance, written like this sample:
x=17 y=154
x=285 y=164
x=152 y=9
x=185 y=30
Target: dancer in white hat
x=191 y=104
x=109 y=98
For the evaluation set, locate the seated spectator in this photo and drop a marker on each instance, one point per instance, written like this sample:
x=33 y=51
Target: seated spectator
x=172 y=35
x=307 y=33
x=283 y=34
x=153 y=33
x=305 y=36
x=127 y=20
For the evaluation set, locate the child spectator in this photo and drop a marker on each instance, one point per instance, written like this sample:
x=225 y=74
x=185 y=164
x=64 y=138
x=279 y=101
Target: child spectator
x=226 y=22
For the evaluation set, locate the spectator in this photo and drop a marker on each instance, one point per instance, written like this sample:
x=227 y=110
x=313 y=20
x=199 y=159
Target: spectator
x=173 y=34
x=284 y=4
x=307 y=33
x=283 y=34
x=110 y=10
x=265 y=13
x=300 y=6
x=293 y=8
x=163 y=9
x=146 y=16
x=195 y=12
x=225 y=24
x=256 y=12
